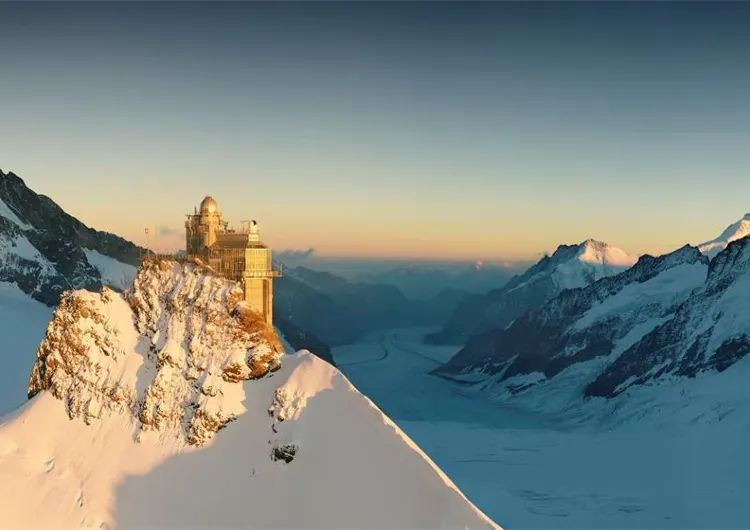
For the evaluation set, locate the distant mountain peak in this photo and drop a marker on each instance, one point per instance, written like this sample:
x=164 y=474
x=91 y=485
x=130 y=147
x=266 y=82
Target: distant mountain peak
x=593 y=243
x=733 y=232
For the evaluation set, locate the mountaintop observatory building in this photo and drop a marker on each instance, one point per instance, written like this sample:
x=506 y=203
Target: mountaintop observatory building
x=236 y=254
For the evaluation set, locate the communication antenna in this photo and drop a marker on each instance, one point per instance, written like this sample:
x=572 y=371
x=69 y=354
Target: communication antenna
x=245 y=224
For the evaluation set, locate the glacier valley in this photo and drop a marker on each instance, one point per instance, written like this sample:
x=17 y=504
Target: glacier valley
x=661 y=460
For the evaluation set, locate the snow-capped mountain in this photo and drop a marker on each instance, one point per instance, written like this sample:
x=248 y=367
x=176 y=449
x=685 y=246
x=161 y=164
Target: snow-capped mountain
x=581 y=324
x=709 y=332
x=733 y=232
x=172 y=406
x=666 y=321
x=569 y=267
x=45 y=251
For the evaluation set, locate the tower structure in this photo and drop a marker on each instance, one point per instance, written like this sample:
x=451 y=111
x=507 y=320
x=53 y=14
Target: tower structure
x=237 y=255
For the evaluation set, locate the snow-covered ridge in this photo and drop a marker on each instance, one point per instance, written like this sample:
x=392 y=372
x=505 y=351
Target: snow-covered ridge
x=114 y=273
x=709 y=332
x=580 y=324
x=733 y=232
x=591 y=261
x=130 y=390
x=170 y=353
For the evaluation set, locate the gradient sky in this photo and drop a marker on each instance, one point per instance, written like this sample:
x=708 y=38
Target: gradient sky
x=487 y=131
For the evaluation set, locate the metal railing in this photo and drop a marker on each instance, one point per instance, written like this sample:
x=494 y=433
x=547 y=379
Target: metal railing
x=276 y=270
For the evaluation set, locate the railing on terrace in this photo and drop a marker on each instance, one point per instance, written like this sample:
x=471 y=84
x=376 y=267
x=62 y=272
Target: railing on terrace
x=276 y=270
x=168 y=257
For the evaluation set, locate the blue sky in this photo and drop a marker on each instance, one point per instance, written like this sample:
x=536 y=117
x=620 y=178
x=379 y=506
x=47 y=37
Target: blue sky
x=470 y=131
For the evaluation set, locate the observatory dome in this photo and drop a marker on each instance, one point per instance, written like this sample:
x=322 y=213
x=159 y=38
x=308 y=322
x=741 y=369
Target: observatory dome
x=209 y=205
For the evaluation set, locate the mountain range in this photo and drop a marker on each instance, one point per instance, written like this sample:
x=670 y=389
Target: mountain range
x=570 y=266
x=338 y=311
x=425 y=282
x=679 y=315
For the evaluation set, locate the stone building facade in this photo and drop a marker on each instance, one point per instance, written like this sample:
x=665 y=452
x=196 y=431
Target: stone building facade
x=236 y=254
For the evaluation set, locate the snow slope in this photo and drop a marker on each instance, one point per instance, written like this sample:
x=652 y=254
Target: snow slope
x=12 y=217
x=129 y=393
x=22 y=325
x=114 y=273
x=733 y=232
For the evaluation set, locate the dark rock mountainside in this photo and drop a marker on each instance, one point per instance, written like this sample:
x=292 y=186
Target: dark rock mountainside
x=709 y=332
x=543 y=281
x=547 y=341
x=339 y=312
x=304 y=340
x=59 y=240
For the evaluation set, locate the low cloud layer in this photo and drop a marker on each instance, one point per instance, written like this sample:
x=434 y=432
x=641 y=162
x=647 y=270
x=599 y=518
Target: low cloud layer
x=167 y=231
x=293 y=258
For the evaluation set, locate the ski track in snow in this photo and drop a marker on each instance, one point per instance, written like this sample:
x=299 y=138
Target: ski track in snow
x=528 y=469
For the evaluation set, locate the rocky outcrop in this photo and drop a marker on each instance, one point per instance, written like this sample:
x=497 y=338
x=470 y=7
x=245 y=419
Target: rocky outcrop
x=170 y=353
x=42 y=247
x=585 y=323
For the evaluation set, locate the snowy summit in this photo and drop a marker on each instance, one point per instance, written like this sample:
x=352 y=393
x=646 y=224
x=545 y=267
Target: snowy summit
x=733 y=232
x=569 y=267
x=173 y=406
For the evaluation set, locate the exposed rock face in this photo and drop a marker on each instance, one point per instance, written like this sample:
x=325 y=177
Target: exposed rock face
x=571 y=266
x=586 y=323
x=709 y=332
x=42 y=247
x=171 y=352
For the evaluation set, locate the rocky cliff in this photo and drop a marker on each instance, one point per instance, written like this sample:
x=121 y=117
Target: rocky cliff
x=170 y=352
